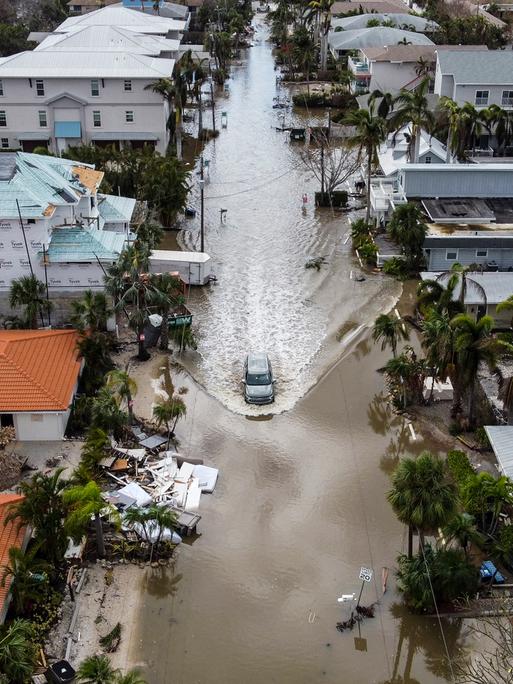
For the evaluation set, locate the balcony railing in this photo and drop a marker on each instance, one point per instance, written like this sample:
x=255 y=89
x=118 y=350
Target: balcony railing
x=359 y=68
x=385 y=194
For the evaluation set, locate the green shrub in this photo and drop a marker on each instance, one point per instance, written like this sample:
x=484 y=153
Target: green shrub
x=482 y=437
x=337 y=198
x=319 y=99
x=368 y=251
x=459 y=466
x=396 y=267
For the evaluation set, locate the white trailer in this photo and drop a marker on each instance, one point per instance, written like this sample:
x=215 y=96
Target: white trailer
x=195 y=268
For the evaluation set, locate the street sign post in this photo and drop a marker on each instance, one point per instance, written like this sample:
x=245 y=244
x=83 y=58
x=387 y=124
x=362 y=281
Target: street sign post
x=365 y=574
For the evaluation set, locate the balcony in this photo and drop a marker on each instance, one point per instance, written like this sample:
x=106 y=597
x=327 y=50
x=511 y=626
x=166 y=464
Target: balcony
x=358 y=68
x=385 y=195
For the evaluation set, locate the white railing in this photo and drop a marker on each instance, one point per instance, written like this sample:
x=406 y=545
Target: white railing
x=358 y=67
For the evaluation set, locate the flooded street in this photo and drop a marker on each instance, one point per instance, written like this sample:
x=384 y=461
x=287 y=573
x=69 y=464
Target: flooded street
x=300 y=504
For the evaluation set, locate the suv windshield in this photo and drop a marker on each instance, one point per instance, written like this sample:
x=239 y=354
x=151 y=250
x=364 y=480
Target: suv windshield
x=258 y=379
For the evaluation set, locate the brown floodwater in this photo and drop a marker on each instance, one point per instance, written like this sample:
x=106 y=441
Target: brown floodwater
x=300 y=503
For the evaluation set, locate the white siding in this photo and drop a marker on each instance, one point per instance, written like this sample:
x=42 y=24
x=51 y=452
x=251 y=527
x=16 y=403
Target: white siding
x=40 y=427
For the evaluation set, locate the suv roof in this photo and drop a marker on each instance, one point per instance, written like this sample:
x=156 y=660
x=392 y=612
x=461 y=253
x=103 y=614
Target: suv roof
x=258 y=363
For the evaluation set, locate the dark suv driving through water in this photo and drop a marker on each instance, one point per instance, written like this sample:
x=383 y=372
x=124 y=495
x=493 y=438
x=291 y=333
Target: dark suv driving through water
x=258 y=379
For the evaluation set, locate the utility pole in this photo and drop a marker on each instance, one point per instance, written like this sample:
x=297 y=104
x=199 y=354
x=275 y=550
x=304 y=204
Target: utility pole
x=322 y=169
x=213 y=104
x=202 y=185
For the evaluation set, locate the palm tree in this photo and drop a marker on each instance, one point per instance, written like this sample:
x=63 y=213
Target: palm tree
x=472 y=122
x=167 y=294
x=132 y=677
x=124 y=387
x=370 y=132
x=172 y=91
x=386 y=102
x=96 y=670
x=452 y=114
x=423 y=67
x=406 y=374
x=30 y=293
x=95 y=448
x=91 y=312
x=408 y=229
x=390 y=330
x=474 y=345
x=323 y=10
x=500 y=122
x=95 y=350
x=17 y=652
x=486 y=496
x=28 y=575
x=154 y=519
x=437 y=295
x=422 y=495
x=413 y=108
x=168 y=409
x=438 y=341
x=43 y=509
x=462 y=529
x=85 y=501
x=106 y=414
x=506 y=305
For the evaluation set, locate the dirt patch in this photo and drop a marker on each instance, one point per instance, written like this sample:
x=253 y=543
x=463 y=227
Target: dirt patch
x=10 y=469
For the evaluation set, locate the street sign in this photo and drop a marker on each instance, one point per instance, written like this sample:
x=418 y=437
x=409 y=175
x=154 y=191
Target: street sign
x=365 y=574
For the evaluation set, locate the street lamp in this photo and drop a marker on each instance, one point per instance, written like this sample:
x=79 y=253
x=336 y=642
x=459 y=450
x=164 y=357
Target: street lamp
x=202 y=229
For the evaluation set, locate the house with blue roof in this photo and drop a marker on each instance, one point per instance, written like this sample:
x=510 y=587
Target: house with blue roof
x=55 y=223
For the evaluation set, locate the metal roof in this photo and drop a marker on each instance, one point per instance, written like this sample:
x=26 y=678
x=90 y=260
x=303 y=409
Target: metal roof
x=169 y=255
x=39 y=183
x=117 y=15
x=497 y=286
x=108 y=38
x=78 y=245
x=395 y=151
x=501 y=439
x=94 y=64
x=116 y=209
x=360 y=21
x=479 y=68
x=377 y=36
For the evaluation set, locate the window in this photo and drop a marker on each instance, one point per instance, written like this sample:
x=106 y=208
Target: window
x=451 y=255
x=128 y=86
x=483 y=253
x=36 y=417
x=129 y=116
x=428 y=159
x=1 y=87
x=482 y=97
x=95 y=87
x=42 y=119
x=4 y=143
x=507 y=98
x=97 y=119
x=31 y=220
x=3 y=118
x=40 y=88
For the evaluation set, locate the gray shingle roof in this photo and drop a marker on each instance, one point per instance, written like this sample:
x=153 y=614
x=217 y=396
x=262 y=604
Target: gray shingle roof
x=479 y=68
x=374 y=37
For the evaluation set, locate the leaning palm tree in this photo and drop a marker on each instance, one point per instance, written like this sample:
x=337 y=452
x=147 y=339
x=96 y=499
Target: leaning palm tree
x=389 y=330
x=412 y=107
x=422 y=495
x=451 y=112
x=30 y=293
x=91 y=312
x=124 y=387
x=167 y=295
x=370 y=132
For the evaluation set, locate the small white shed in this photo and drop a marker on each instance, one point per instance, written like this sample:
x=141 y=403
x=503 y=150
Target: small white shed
x=195 y=268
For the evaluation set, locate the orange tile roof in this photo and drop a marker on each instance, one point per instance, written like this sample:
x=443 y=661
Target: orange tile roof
x=10 y=535
x=38 y=369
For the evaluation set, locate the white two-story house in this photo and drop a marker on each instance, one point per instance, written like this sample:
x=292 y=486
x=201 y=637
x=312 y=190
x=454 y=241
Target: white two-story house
x=90 y=82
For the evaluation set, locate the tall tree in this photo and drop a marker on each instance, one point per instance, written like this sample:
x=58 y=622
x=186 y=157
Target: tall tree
x=452 y=115
x=168 y=410
x=85 y=501
x=474 y=344
x=462 y=529
x=44 y=511
x=17 y=652
x=28 y=574
x=408 y=229
x=91 y=312
x=412 y=107
x=30 y=293
x=124 y=387
x=323 y=9
x=167 y=295
x=422 y=495
x=389 y=330
x=95 y=350
x=370 y=132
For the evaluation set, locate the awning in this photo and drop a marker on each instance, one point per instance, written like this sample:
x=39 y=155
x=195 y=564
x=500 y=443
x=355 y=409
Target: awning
x=68 y=129
x=33 y=136
x=124 y=135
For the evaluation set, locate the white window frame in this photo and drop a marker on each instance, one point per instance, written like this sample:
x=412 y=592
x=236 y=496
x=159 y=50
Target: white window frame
x=97 y=81
x=481 y=256
x=42 y=87
x=42 y=116
x=482 y=99
x=127 y=82
x=97 y=121
x=507 y=99
x=451 y=251
x=6 y=141
x=129 y=116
